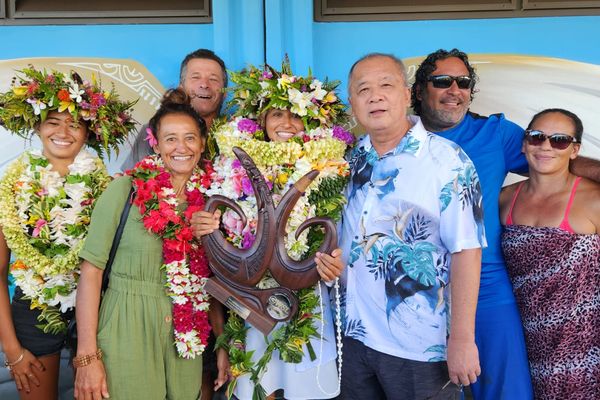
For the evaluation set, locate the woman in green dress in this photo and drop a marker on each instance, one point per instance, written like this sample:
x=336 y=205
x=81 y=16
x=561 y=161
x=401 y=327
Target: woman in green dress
x=147 y=339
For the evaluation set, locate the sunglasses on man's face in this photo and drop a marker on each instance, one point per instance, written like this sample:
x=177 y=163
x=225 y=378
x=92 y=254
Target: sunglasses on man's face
x=559 y=141
x=445 y=81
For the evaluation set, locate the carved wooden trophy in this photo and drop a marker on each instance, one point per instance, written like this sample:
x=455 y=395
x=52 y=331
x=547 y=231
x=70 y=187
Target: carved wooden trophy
x=237 y=271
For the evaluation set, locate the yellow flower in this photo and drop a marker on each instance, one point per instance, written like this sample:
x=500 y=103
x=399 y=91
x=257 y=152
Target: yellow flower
x=282 y=178
x=243 y=94
x=235 y=372
x=20 y=91
x=66 y=105
x=36 y=304
x=330 y=98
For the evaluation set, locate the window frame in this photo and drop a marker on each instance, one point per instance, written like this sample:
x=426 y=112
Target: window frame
x=517 y=9
x=14 y=16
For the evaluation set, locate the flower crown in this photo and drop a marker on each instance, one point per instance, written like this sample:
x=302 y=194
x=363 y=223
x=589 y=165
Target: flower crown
x=33 y=94
x=257 y=91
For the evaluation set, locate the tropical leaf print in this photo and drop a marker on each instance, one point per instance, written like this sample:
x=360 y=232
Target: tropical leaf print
x=438 y=349
x=362 y=170
x=446 y=195
x=417 y=262
x=355 y=329
x=355 y=253
x=468 y=181
x=417 y=229
x=384 y=182
x=412 y=144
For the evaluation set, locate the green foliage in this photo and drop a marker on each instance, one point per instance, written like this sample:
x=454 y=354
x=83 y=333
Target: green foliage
x=288 y=340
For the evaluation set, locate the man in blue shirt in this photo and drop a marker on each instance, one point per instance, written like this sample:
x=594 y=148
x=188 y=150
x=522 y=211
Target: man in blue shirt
x=413 y=225
x=441 y=96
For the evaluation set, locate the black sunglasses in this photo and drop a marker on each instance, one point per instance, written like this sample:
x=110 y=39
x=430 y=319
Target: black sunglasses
x=559 y=141
x=445 y=81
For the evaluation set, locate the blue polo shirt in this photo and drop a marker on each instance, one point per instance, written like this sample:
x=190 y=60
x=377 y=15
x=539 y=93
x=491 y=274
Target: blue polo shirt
x=494 y=145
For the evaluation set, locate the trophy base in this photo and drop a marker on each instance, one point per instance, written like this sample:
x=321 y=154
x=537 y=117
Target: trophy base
x=263 y=309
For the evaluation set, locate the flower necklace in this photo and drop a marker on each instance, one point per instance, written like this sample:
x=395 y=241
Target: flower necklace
x=184 y=261
x=45 y=219
x=282 y=164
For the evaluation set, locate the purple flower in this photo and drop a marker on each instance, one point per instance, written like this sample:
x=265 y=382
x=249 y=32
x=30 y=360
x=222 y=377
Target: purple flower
x=247 y=240
x=303 y=88
x=267 y=74
x=248 y=125
x=236 y=164
x=341 y=134
x=247 y=186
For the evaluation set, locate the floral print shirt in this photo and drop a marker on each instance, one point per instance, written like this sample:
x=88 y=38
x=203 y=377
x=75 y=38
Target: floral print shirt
x=408 y=211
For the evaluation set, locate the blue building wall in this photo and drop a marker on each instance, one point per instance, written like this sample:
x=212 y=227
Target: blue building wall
x=237 y=35
x=329 y=48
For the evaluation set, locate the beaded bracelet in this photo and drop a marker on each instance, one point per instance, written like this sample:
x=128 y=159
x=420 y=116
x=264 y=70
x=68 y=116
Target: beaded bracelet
x=82 y=361
x=9 y=365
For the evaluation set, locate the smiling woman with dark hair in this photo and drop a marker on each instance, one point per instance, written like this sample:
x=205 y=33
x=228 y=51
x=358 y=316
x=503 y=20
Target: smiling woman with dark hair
x=147 y=340
x=552 y=250
x=46 y=199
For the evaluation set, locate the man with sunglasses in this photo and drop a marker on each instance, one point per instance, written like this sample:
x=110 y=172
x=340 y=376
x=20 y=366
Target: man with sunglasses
x=412 y=224
x=441 y=96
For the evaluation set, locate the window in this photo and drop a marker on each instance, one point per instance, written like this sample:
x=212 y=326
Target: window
x=23 y=12
x=397 y=10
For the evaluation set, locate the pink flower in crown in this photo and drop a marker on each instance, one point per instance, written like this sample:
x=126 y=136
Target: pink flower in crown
x=150 y=138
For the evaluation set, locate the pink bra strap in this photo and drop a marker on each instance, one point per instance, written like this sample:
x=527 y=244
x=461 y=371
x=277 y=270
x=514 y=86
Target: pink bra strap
x=509 y=220
x=564 y=225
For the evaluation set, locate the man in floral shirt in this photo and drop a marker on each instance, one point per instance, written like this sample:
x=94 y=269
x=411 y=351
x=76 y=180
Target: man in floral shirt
x=414 y=218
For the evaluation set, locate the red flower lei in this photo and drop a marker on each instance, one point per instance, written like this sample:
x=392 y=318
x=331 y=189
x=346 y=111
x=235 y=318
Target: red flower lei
x=184 y=260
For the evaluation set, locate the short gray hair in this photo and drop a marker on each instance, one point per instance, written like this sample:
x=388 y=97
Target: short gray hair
x=392 y=57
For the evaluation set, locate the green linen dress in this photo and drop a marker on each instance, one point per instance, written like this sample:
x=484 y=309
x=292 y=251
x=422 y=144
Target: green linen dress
x=135 y=329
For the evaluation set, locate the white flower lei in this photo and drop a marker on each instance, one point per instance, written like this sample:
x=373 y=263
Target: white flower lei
x=44 y=218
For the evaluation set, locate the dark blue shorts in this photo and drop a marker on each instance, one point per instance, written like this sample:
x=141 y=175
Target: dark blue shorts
x=31 y=337
x=370 y=374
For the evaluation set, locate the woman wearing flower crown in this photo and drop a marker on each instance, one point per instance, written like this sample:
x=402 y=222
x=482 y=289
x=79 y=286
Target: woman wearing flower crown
x=147 y=339
x=46 y=199
x=286 y=124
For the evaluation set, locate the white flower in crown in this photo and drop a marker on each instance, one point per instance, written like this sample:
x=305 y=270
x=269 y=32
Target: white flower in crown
x=284 y=81
x=37 y=105
x=318 y=91
x=75 y=93
x=300 y=101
